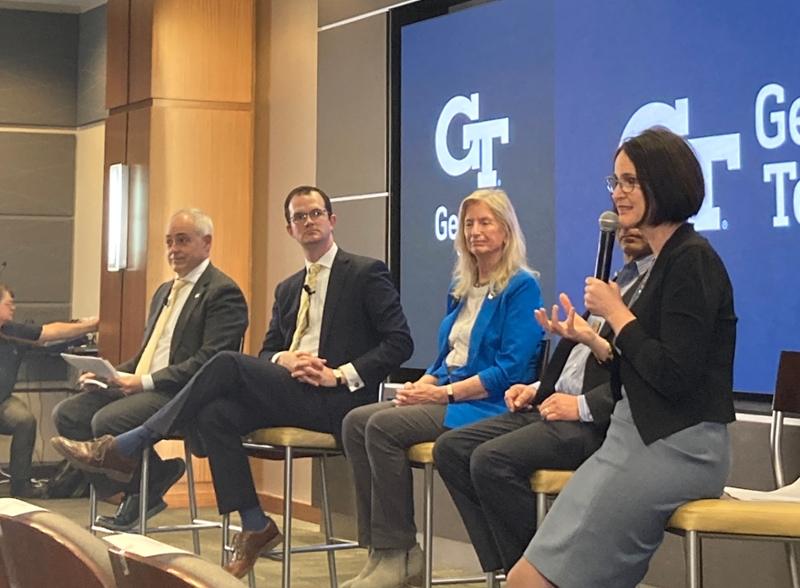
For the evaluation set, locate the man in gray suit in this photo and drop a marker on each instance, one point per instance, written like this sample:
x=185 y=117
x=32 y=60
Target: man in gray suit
x=192 y=318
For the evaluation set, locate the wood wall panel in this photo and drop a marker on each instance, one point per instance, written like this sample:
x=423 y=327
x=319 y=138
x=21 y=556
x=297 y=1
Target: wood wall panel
x=111 y=282
x=203 y=158
x=135 y=294
x=141 y=51
x=205 y=53
x=117 y=53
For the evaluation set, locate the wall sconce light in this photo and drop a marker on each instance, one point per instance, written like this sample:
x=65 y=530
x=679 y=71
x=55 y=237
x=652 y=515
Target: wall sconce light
x=117 y=217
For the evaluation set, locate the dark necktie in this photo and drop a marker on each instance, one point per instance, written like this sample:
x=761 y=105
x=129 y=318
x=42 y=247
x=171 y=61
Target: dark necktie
x=627 y=274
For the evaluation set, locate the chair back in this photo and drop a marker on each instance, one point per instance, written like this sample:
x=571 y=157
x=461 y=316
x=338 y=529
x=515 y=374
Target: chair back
x=142 y=561
x=42 y=549
x=787 y=384
x=543 y=357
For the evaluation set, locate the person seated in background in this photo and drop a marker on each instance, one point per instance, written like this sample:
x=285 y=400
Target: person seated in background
x=16 y=418
x=337 y=330
x=488 y=341
x=192 y=317
x=671 y=362
x=553 y=424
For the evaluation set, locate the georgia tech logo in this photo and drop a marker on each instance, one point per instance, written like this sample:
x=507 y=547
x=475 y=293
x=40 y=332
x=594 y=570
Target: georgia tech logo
x=723 y=148
x=478 y=139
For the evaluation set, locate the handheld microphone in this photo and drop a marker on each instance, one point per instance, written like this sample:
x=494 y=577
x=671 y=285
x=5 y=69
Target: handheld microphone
x=609 y=223
x=308 y=289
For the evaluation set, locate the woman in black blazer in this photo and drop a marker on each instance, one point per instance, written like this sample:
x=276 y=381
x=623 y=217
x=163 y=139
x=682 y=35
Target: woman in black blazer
x=672 y=369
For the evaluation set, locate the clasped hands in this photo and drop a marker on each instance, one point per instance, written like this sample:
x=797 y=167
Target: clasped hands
x=557 y=407
x=421 y=392
x=308 y=368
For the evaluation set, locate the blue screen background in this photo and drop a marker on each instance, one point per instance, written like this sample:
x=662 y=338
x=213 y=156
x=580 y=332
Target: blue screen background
x=569 y=75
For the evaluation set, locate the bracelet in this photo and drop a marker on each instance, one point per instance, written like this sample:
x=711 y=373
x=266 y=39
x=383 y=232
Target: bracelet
x=610 y=353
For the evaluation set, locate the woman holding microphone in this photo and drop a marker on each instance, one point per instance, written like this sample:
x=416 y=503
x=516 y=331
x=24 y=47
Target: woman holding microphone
x=672 y=369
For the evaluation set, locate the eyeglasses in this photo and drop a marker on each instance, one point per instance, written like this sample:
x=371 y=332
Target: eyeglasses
x=626 y=183
x=300 y=217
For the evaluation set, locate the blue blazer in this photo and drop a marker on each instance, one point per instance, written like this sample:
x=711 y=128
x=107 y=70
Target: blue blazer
x=503 y=348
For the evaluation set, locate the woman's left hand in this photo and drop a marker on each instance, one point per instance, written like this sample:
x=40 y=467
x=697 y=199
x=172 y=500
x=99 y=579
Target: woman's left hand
x=602 y=298
x=420 y=394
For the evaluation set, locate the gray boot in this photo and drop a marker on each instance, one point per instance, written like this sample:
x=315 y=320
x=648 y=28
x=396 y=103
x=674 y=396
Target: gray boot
x=372 y=562
x=396 y=568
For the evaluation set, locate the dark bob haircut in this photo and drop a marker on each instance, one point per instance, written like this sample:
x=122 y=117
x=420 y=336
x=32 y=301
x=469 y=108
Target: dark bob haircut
x=669 y=174
x=305 y=191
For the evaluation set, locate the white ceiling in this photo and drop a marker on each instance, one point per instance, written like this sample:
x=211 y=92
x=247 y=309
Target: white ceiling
x=74 y=6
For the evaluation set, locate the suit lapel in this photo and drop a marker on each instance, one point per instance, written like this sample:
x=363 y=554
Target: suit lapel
x=294 y=292
x=160 y=297
x=195 y=297
x=336 y=282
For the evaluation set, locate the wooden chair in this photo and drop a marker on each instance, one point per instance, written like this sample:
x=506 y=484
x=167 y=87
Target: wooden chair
x=288 y=444
x=139 y=561
x=43 y=549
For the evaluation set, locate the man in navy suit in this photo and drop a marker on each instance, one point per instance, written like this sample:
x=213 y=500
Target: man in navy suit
x=337 y=330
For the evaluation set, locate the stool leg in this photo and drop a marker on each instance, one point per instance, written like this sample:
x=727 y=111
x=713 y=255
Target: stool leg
x=287 y=519
x=226 y=537
x=251 y=578
x=428 y=531
x=694 y=560
x=327 y=522
x=143 y=491
x=92 y=508
x=791 y=555
x=541 y=508
x=192 y=498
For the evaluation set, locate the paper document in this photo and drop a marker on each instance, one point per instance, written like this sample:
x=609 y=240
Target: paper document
x=97 y=365
x=790 y=493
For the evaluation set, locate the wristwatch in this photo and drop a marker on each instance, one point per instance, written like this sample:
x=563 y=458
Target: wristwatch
x=340 y=379
x=451 y=398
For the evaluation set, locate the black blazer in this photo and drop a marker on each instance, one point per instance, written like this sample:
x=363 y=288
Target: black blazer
x=676 y=358
x=213 y=319
x=596 y=376
x=362 y=323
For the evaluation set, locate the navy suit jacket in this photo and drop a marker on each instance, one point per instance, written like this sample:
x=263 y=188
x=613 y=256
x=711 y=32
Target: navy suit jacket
x=362 y=323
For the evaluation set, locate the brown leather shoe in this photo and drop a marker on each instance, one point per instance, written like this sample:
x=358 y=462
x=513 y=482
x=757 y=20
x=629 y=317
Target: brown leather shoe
x=100 y=456
x=249 y=545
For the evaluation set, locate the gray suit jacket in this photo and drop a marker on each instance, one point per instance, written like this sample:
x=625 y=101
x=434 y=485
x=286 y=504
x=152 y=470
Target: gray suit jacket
x=213 y=319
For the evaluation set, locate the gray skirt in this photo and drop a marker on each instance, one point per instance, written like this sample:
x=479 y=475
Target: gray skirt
x=610 y=518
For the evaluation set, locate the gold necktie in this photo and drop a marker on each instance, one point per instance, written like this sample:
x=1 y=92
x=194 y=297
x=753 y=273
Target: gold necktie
x=305 y=303
x=143 y=367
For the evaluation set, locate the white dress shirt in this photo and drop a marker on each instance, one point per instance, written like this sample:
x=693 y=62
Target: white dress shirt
x=309 y=343
x=161 y=354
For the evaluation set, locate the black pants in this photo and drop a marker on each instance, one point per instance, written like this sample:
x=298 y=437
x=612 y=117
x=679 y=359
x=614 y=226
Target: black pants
x=17 y=420
x=486 y=467
x=234 y=394
x=92 y=414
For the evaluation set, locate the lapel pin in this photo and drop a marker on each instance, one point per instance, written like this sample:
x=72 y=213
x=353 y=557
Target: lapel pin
x=197 y=295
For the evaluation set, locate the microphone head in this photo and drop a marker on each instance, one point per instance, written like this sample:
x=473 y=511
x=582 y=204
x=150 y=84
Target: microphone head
x=608 y=221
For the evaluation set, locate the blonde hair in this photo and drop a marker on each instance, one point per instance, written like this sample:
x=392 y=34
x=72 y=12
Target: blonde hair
x=513 y=258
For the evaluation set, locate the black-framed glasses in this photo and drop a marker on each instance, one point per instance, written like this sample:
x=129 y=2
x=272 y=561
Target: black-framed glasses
x=627 y=183
x=300 y=217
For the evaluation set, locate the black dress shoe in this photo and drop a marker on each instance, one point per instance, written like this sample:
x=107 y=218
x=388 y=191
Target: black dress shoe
x=127 y=516
x=166 y=476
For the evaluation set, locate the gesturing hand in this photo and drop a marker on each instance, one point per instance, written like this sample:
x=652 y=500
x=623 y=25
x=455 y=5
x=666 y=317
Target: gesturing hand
x=574 y=328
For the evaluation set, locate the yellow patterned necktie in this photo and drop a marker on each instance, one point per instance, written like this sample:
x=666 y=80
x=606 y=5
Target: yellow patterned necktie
x=143 y=367
x=309 y=288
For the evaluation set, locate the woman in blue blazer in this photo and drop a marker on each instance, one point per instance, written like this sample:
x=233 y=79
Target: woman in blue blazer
x=488 y=341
